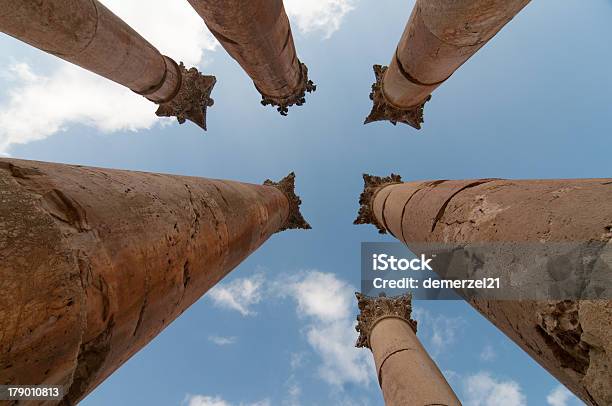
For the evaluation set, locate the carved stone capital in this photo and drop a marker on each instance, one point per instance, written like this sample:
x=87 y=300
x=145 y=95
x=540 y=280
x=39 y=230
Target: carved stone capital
x=295 y=219
x=374 y=309
x=372 y=184
x=297 y=98
x=192 y=98
x=383 y=110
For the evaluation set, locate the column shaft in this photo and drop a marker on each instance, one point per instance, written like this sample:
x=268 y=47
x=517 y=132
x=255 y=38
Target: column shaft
x=87 y=34
x=406 y=373
x=439 y=37
x=96 y=262
x=571 y=339
x=257 y=34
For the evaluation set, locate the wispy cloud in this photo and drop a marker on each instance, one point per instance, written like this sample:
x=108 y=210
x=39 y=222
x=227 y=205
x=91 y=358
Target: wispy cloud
x=221 y=341
x=437 y=331
x=323 y=16
x=325 y=303
x=560 y=396
x=488 y=353
x=240 y=294
x=202 y=400
x=482 y=389
x=292 y=384
x=297 y=360
x=326 y=306
x=294 y=391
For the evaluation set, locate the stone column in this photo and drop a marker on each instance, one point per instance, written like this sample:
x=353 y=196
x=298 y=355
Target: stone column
x=96 y=262
x=439 y=37
x=89 y=35
x=257 y=35
x=406 y=373
x=571 y=339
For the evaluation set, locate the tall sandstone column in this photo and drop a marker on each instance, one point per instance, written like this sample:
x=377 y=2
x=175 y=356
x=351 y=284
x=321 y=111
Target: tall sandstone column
x=96 y=262
x=440 y=36
x=89 y=35
x=569 y=338
x=257 y=35
x=406 y=373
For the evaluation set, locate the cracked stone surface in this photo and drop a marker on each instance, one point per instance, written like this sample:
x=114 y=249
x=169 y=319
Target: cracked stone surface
x=570 y=339
x=99 y=261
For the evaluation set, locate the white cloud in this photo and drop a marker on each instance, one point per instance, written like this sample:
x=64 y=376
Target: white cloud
x=560 y=396
x=484 y=390
x=40 y=106
x=173 y=27
x=323 y=296
x=437 y=332
x=201 y=400
x=220 y=340
x=324 y=16
x=325 y=302
x=240 y=294
x=488 y=353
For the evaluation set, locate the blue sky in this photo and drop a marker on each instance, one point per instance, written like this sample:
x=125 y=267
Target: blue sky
x=534 y=103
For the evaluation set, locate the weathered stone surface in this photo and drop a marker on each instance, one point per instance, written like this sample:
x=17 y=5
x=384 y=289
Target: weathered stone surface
x=570 y=339
x=406 y=373
x=89 y=35
x=257 y=34
x=96 y=262
x=439 y=37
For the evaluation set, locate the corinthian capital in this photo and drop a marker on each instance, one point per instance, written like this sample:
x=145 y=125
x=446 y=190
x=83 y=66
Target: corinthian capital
x=191 y=99
x=374 y=309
